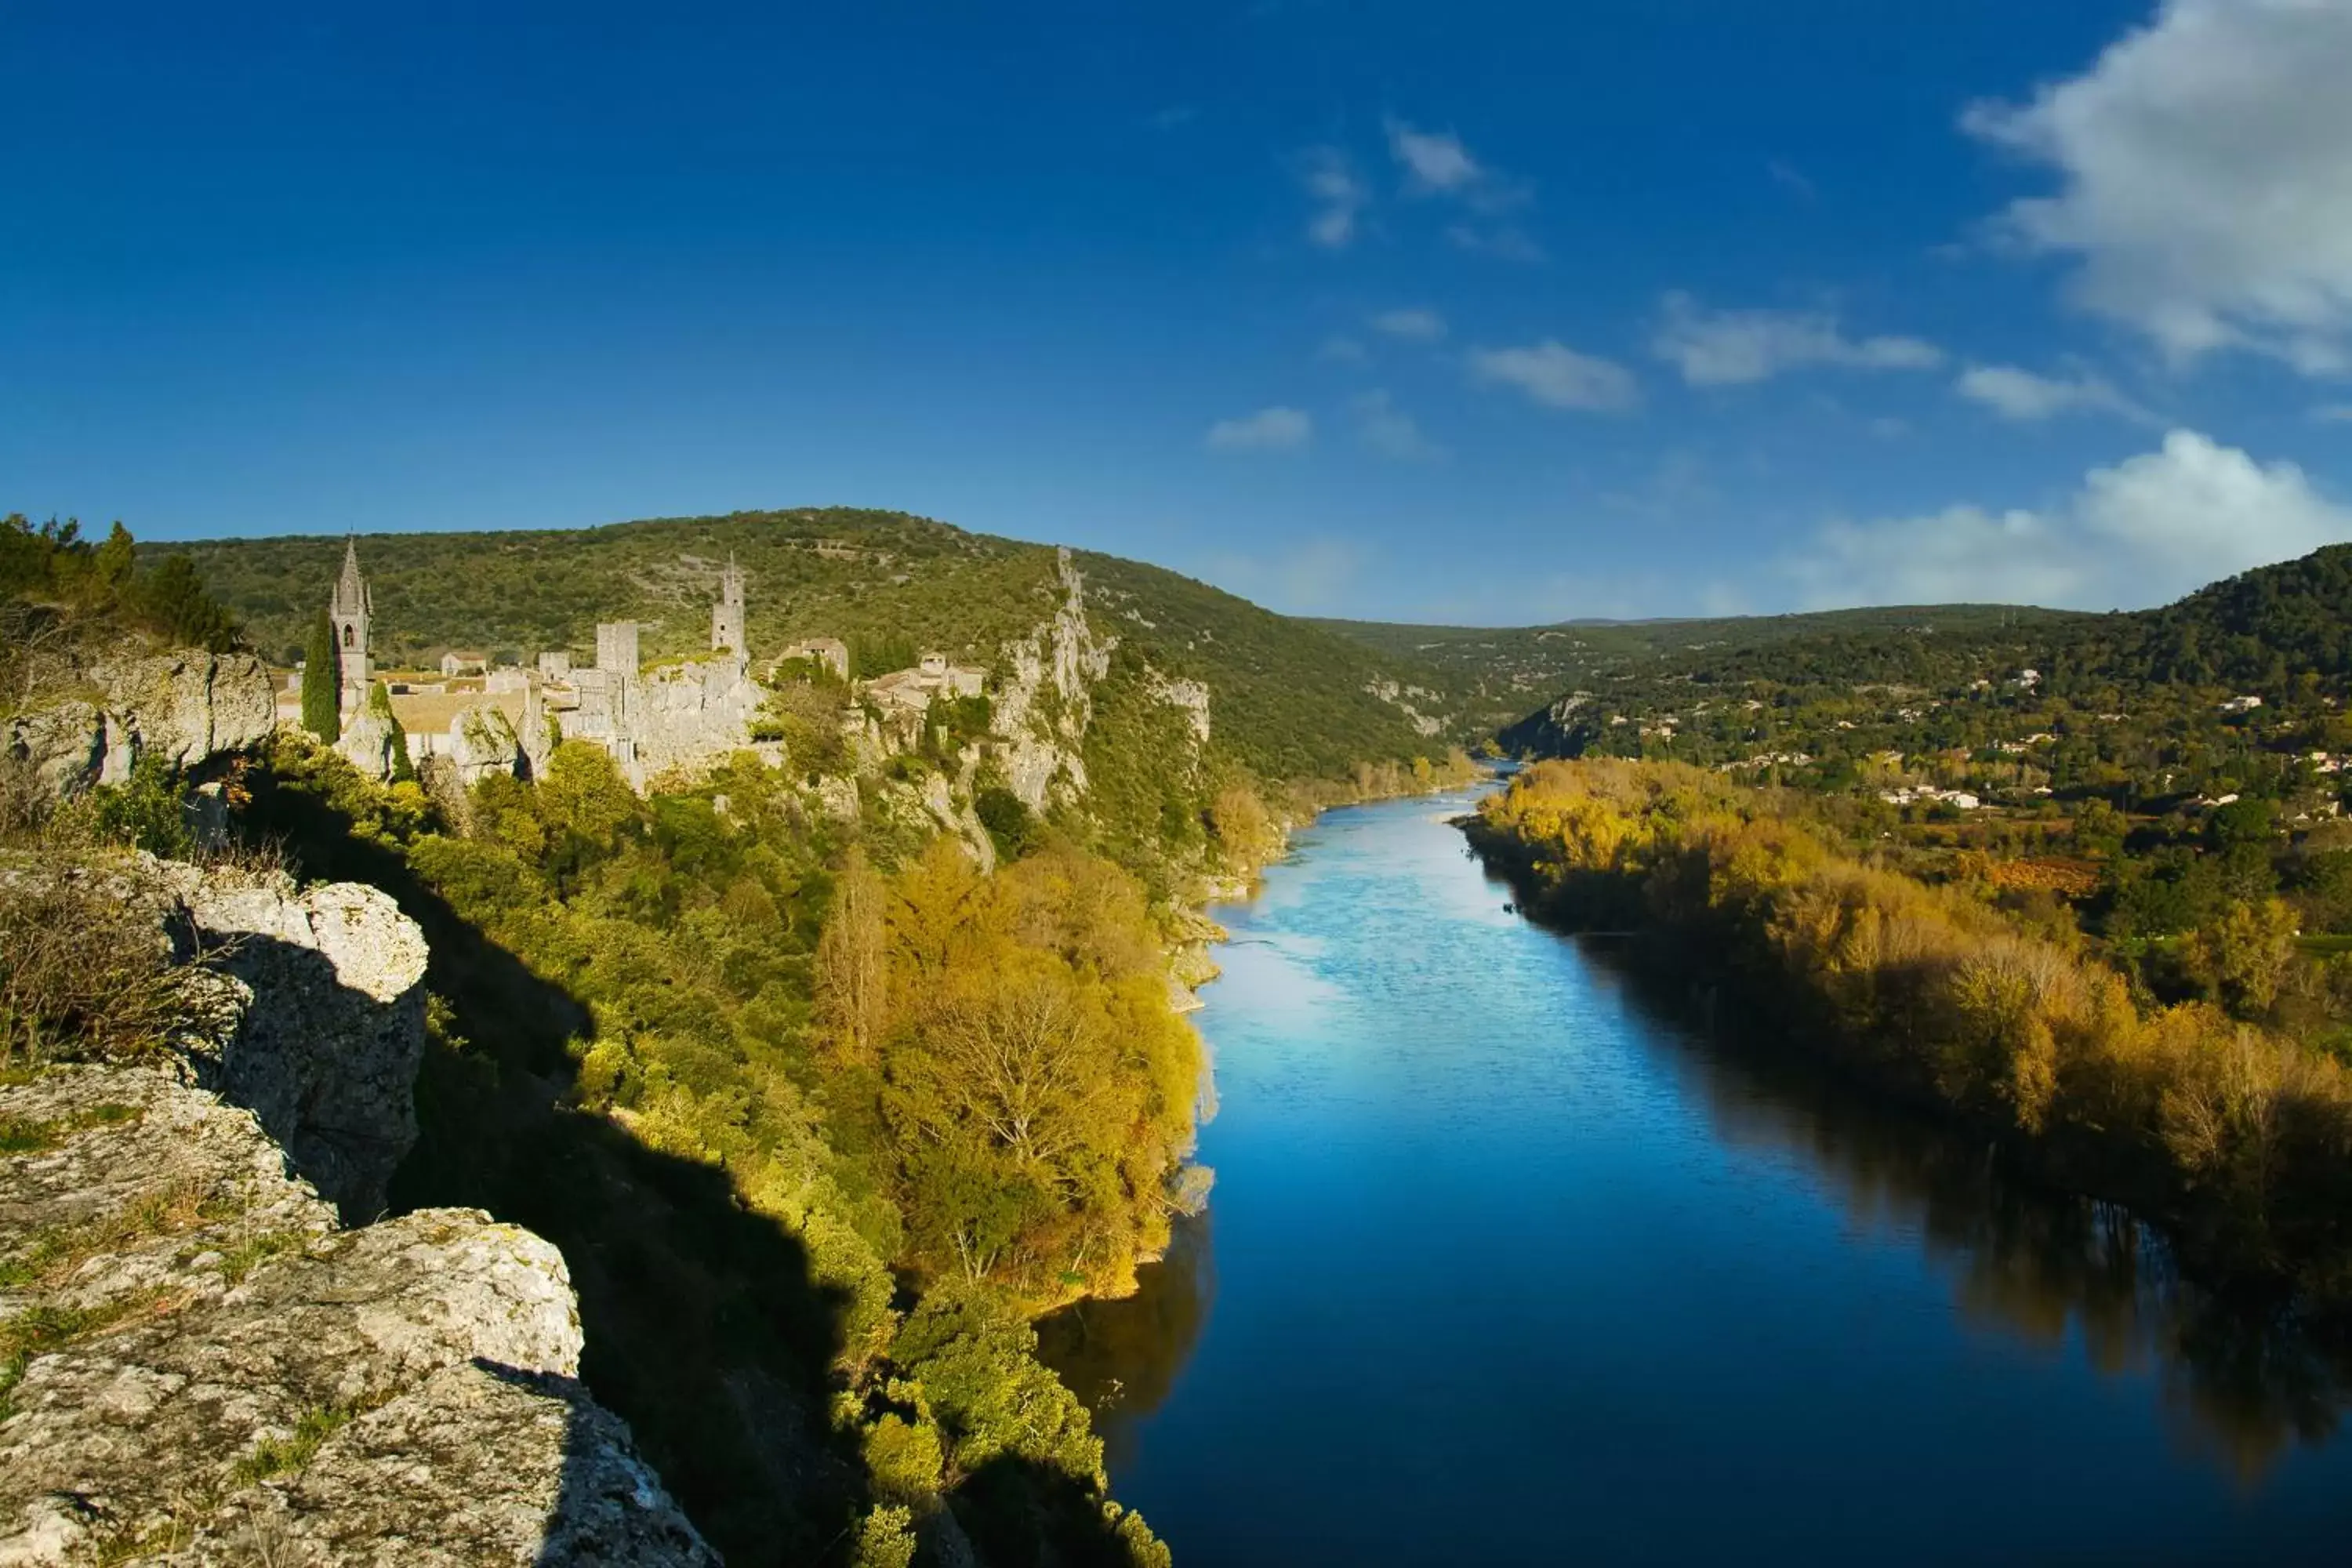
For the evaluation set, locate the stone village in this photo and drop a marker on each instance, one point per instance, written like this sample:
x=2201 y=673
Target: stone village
x=485 y=718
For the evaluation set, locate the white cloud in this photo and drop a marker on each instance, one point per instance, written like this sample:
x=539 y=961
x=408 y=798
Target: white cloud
x=1267 y=430
x=1434 y=161
x=2016 y=393
x=1727 y=348
x=1340 y=197
x=2201 y=165
x=1391 y=431
x=2145 y=531
x=1415 y=326
x=1558 y=376
x=2332 y=414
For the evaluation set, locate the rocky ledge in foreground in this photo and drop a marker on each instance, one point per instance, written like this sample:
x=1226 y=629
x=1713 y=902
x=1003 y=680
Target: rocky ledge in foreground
x=199 y=1366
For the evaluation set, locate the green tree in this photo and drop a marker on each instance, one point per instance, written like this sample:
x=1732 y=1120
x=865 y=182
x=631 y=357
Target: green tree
x=851 y=959
x=173 y=599
x=322 y=683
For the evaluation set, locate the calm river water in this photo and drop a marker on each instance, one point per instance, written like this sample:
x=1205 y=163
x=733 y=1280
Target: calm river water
x=1504 y=1264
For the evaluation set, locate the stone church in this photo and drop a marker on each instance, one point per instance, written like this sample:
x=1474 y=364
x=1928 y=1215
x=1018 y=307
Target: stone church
x=674 y=717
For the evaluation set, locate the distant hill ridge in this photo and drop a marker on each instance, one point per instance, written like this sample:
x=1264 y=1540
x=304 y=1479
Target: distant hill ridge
x=1289 y=699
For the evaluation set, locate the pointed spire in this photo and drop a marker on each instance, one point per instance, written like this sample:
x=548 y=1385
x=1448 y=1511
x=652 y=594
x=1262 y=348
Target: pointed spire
x=351 y=596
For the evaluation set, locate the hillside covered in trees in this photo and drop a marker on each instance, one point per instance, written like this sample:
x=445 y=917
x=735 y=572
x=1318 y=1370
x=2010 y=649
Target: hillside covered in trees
x=1289 y=699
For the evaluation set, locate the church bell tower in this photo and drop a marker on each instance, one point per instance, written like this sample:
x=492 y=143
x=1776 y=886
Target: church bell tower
x=348 y=612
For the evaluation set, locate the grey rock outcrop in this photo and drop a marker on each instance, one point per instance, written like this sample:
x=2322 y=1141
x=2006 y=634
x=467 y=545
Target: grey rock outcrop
x=367 y=743
x=331 y=1027
x=237 y=1381
x=212 y=1370
x=186 y=706
x=1042 y=741
x=183 y=708
x=482 y=741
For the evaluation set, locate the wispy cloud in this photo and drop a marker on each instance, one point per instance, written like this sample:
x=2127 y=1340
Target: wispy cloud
x=1730 y=348
x=1559 y=377
x=1276 y=429
x=2332 y=414
x=1174 y=118
x=1339 y=196
x=1413 y=325
x=1436 y=165
x=1391 y=431
x=1434 y=161
x=2021 y=394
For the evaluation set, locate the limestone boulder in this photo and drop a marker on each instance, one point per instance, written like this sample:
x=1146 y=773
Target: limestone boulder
x=212 y=1372
x=482 y=741
x=326 y=1045
x=367 y=743
x=186 y=707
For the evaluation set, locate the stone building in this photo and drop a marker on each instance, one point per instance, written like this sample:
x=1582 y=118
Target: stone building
x=727 y=614
x=911 y=690
x=350 y=608
x=831 y=652
x=676 y=716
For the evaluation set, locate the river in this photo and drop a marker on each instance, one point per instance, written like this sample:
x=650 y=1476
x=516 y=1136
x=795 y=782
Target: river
x=1506 y=1263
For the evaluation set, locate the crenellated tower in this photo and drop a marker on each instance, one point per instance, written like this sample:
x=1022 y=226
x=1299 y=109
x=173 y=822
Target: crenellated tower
x=349 y=612
x=727 y=614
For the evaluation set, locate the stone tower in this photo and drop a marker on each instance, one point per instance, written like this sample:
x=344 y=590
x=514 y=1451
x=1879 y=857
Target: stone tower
x=349 y=612
x=616 y=648
x=727 y=614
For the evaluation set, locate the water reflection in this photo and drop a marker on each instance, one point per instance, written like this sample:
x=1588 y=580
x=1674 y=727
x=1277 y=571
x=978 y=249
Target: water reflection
x=2240 y=1387
x=1121 y=1357
x=2242 y=1383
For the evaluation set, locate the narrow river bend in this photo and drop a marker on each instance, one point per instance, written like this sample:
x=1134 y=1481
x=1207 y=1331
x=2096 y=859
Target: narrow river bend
x=1501 y=1264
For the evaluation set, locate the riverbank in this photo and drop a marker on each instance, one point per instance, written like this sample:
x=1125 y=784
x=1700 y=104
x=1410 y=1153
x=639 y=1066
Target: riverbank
x=1488 y=1224
x=1256 y=836
x=2237 y=1144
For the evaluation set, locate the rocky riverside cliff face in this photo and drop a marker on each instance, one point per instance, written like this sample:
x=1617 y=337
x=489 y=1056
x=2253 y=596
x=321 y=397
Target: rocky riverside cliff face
x=179 y=708
x=201 y=1363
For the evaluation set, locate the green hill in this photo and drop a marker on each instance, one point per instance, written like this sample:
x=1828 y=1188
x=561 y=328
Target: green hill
x=2261 y=631
x=1500 y=674
x=1289 y=699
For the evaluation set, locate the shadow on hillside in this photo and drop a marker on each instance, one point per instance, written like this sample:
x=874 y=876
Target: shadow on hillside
x=704 y=1329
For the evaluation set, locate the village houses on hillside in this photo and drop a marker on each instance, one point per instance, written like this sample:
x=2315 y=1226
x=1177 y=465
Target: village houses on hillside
x=489 y=718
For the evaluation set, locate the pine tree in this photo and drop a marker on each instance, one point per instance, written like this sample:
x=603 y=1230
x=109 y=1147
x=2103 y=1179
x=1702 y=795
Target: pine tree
x=322 y=683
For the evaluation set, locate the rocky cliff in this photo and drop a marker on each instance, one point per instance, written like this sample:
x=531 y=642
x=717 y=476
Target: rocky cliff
x=200 y=1365
x=181 y=708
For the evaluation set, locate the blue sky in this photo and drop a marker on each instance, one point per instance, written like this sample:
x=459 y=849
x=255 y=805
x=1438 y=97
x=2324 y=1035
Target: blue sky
x=1491 y=313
